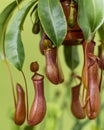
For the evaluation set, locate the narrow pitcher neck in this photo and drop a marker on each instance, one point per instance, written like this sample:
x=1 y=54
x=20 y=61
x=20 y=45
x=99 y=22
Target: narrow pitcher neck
x=38 y=81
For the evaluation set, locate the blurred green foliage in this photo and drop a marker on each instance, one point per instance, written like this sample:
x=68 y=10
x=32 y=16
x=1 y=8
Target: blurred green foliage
x=58 y=116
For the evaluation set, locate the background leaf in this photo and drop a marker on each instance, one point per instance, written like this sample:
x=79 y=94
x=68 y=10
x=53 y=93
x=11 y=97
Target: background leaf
x=13 y=43
x=71 y=56
x=4 y=19
x=53 y=20
x=90 y=16
x=101 y=32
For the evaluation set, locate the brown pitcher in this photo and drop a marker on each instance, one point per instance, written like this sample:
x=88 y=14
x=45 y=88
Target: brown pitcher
x=20 y=112
x=38 y=109
x=53 y=69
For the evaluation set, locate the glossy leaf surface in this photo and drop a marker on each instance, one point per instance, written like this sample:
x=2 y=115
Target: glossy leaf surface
x=90 y=16
x=13 y=45
x=4 y=19
x=53 y=20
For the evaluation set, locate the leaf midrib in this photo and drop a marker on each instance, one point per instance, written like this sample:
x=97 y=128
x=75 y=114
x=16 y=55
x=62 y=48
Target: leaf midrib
x=52 y=20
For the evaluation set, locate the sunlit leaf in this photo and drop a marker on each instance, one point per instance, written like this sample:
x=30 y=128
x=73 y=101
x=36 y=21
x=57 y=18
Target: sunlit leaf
x=4 y=19
x=53 y=20
x=90 y=16
x=71 y=56
x=13 y=43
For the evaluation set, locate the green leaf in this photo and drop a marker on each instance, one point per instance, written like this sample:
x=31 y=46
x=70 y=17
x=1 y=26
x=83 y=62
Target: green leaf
x=90 y=16
x=4 y=19
x=53 y=20
x=13 y=43
x=71 y=56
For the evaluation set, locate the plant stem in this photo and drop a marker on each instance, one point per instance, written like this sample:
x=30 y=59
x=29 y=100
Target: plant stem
x=7 y=64
x=17 y=4
x=26 y=88
x=11 y=79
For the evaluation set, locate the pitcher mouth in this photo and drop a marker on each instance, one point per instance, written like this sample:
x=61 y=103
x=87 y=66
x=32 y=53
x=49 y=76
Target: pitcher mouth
x=37 y=77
